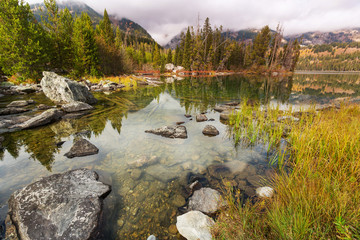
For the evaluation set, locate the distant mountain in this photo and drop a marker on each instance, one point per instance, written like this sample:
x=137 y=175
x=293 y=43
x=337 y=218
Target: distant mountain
x=317 y=38
x=76 y=8
x=241 y=35
x=131 y=27
x=308 y=38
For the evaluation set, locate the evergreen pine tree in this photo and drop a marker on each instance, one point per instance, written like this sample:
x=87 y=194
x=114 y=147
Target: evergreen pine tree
x=186 y=61
x=22 y=40
x=105 y=29
x=260 y=46
x=169 y=58
x=86 y=52
x=177 y=56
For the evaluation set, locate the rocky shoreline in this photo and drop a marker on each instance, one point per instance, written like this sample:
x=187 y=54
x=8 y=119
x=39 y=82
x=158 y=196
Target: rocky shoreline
x=200 y=201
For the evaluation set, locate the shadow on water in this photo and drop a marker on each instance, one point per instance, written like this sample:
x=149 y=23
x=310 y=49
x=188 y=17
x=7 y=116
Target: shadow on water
x=150 y=174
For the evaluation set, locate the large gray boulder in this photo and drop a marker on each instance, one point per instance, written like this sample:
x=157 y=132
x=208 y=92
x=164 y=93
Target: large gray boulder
x=63 y=90
x=170 y=131
x=195 y=225
x=206 y=200
x=61 y=206
x=44 y=118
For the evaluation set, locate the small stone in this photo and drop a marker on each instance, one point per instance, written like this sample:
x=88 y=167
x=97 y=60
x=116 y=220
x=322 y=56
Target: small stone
x=151 y=237
x=187 y=115
x=195 y=225
x=172 y=229
x=232 y=103
x=81 y=148
x=20 y=103
x=76 y=107
x=206 y=200
x=179 y=123
x=211 y=120
x=201 y=118
x=265 y=192
x=170 y=131
x=178 y=200
x=210 y=130
x=43 y=107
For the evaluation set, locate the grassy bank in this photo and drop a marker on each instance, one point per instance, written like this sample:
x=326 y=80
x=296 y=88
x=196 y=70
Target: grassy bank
x=319 y=197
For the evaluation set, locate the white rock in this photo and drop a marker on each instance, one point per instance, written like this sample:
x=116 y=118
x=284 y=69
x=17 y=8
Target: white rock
x=290 y=118
x=195 y=225
x=264 y=192
x=169 y=67
x=206 y=200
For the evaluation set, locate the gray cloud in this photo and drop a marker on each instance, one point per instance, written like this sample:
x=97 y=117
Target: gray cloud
x=164 y=19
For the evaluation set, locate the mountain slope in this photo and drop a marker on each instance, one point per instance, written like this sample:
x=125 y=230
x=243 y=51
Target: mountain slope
x=75 y=8
x=133 y=29
x=316 y=38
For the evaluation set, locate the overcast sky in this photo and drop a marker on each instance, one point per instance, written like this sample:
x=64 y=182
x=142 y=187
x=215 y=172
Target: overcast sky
x=164 y=19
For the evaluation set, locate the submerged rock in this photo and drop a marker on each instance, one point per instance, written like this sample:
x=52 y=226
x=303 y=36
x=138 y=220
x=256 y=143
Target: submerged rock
x=210 y=130
x=170 y=131
x=44 y=118
x=143 y=161
x=206 y=200
x=81 y=148
x=195 y=225
x=63 y=90
x=76 y=107
x=12 y=110
x=61 y=206
x=201 y=118
x=20 y=103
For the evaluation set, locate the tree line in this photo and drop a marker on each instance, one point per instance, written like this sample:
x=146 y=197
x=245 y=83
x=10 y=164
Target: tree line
x=75 y=46
x=208 y=49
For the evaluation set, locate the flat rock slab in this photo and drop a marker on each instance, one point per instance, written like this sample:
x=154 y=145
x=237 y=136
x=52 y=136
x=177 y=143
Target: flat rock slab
x=12 y=110
x=210 y=130
x=76 y=107
x=206 y=200
x=44 y=118
x=63 y=90
x=201 y=118
x=195 y=225
x=9 y=121
x=61 y=206
x=20 y=103
x=170 y=131
x=81 y=148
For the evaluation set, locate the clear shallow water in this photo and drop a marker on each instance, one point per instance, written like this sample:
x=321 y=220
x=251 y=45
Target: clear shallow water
x=145 y=199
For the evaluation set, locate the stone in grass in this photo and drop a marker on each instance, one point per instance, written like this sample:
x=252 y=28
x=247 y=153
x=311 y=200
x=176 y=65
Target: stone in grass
x=206 y=200
x=195 y=225
x=61 y=206
x=210 y=130
x=265 y=192
x=81 y=148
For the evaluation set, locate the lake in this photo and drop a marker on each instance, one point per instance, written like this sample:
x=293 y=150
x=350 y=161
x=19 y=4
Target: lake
x=146 y=199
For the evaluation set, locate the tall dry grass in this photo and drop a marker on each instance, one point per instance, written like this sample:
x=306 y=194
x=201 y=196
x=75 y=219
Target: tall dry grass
x=317 y=195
